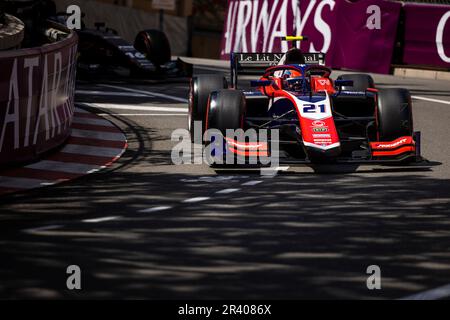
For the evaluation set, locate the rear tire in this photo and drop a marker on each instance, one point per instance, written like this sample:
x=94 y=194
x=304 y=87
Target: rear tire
x=200 y=89
x=155 y=45
x=361 y=81
x=394 y=114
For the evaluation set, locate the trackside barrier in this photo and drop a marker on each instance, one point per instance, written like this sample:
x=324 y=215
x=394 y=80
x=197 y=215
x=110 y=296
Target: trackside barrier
x=358 y=35
x=36 y=99
x=427 y=35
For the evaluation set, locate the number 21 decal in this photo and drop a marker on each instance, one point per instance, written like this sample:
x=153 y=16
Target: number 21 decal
x=314 y=108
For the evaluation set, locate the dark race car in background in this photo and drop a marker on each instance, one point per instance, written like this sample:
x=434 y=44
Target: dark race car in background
x=101 y=49
x=320 y=120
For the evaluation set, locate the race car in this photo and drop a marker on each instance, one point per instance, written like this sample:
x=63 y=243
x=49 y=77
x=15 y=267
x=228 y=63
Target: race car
x=101 y=51
x=319 y=120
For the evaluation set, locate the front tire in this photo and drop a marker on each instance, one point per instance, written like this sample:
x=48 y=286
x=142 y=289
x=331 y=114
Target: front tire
x=225 y=111
x=394 y=114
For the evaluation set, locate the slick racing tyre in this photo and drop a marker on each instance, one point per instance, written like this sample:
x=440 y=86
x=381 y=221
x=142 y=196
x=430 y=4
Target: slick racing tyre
x=394 y=114
x=200 y=88
x=361 y=81
x=226 y=110
x=155 y=45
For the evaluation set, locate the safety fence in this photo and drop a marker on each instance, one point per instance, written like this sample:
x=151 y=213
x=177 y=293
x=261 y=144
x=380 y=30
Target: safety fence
x=367 y=35
x=36 y=98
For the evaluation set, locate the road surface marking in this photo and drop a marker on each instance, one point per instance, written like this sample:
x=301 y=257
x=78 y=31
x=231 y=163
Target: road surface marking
x=430 y=99
x=103 y=219
x=227 y=191
x=92 y=151
x=271 y=172
x=110 y=93
x=155 y=209
x=51 y=165
x=196 y=199
x=138 y=108
x=433 y=294
x=39 y=229
x=252 y=183
x=147 y=93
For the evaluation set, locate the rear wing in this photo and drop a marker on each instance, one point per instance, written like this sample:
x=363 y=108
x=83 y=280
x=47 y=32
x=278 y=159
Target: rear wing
x=254 y=63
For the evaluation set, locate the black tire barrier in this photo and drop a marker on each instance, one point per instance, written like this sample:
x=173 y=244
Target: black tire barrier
x=11 y=32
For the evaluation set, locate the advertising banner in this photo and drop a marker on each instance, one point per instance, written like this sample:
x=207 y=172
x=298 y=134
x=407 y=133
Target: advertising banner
x=427 y=35
x=357 y=35
x=36 y=99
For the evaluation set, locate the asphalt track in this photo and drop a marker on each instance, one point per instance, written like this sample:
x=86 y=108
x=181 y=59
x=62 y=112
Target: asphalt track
x=146 y=228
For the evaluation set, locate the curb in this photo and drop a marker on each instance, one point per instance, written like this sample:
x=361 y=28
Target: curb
x=94 y=144
x=422 y=74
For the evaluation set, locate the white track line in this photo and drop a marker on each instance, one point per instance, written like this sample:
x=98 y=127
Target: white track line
x=103 y=219
x=138 y=108
x=110 y=93
x=147 y=93
x=155 y=209
x=77 y=168
x=196 y=199
x=252 y=183
x=90 y=134
x=40 y=229
x=433 y=294
x=92 y=151
x=430 y=100
x=227 y=191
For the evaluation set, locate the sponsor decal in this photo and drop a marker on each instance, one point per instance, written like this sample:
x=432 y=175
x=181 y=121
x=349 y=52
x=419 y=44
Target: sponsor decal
x=322 y=136
x=391 y=145
x=322 y=129
x=318 y=123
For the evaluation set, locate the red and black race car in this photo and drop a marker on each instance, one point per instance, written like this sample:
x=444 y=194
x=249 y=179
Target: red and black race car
x=319 y=119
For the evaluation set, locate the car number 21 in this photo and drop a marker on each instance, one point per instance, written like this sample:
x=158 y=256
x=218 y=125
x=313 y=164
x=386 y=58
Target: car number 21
x=314 y=108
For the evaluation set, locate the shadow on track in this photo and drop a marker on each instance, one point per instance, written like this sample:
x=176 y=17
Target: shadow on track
x=293 y=236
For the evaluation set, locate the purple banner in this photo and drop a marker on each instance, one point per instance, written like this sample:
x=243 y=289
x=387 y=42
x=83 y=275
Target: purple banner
x=427 y=35
x=359 y=35
x=36 y=99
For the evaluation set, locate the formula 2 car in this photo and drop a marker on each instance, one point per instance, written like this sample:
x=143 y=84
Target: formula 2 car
x=320 y=120
x=101 y=51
